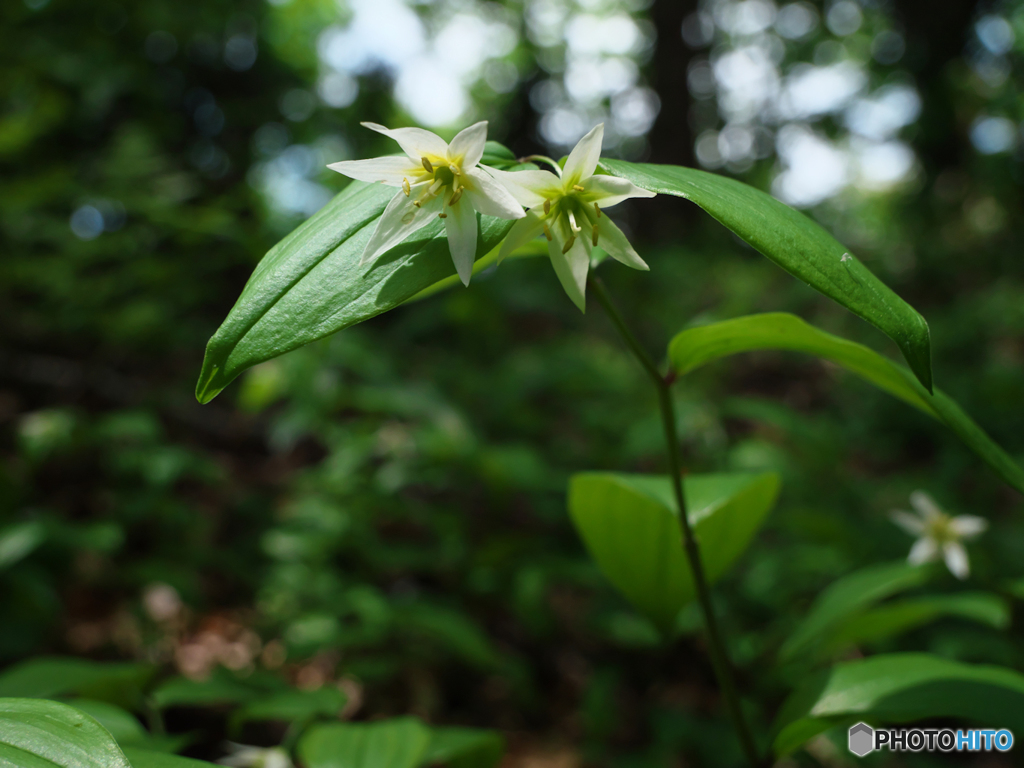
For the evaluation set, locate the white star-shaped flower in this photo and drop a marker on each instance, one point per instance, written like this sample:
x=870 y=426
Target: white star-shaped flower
x=434 y=179
x=568 y=211
x=939 y=534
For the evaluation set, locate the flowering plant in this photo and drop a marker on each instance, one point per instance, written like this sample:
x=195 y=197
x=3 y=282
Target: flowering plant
x=401 y=226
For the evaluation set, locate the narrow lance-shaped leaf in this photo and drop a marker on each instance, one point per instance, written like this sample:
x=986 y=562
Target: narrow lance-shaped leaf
x=311 y=284
x=847 y=597
x=798 y=245
x=900 y=688
x=694 y=347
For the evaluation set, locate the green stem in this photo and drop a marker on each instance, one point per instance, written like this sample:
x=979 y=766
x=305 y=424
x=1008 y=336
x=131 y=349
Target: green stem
x=719 y=656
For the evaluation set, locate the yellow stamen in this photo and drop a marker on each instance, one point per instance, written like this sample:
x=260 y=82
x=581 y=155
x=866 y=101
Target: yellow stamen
x=406 y=188
x=594 y=238
x=456 y=197
x=547 y=207
x=568 y=244
x=454 y=169
x=578 y=188
x=442 y=215
x=598 y=210
x=426 y=165
x=547 y=233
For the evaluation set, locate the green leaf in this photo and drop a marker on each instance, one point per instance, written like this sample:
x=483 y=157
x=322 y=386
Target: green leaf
x=897 y=617
x=35 y=733
x=695 y=347
x=798 y=245
x=464 y=748
x=630 y=524
x=116 y=683
x=849 y=596
x=311 y=285
x=121 y=724
x=220 y=688
x=17 y=541
x=147 y=758
x=398 y=743
x=293 y=705
x=900 y=688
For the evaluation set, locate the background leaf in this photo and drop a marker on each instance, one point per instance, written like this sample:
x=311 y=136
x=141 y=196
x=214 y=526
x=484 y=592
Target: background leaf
x=694 y=347
x=464 y=748
x=398 y=743
x=35 y=733
x=900 y=688
x=119 y=683
x=848 y=596
x=798 y=245
x=631 y=528
x=293 y=705
x=147 y=758
x=311 y=284
x=899 y=616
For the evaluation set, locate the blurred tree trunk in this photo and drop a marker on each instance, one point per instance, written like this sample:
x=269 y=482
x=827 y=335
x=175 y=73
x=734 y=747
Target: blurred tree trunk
x=936 y=34
x=670 y=138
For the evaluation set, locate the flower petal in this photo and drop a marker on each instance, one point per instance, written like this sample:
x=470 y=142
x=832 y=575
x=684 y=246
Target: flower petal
x=400 y=219
x=571 y=268
x=968 y=526
x=489 y=197
x=460 y=226
x=908 y=521
x=522 y=232
x=415 y=142
x=607 y=191
x=529 y=188
x=467 y=147
x=924 y=550
x=582 y=161
x=925 y=505
x=385 y=170
x=956 y=559
x=612 y=239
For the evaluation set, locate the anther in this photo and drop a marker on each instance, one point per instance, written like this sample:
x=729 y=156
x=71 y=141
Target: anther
x=406 y=188
x=594 y=238
x=547 y=233
x=547 y=207
x=445 y=216
x=568 y=244
x=578 y=188
x=598 y=210
x=456 y=197
x=454 y=169
x=426 y=165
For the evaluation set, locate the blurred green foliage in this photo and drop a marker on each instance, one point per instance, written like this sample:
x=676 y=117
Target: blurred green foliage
x=385 y=510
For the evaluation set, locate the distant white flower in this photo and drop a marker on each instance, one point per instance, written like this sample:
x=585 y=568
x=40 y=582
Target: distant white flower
x=244 y=756
x=435 y=179
x=568 y=211
x=939 y=535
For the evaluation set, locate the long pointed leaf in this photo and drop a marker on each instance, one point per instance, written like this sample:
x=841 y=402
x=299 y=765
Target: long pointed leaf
x=695 y=347
x=798 y=245
x=311 y=284
x=901 y=688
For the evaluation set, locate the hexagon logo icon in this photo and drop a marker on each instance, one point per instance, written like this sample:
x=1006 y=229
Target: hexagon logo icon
x=862 y=739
